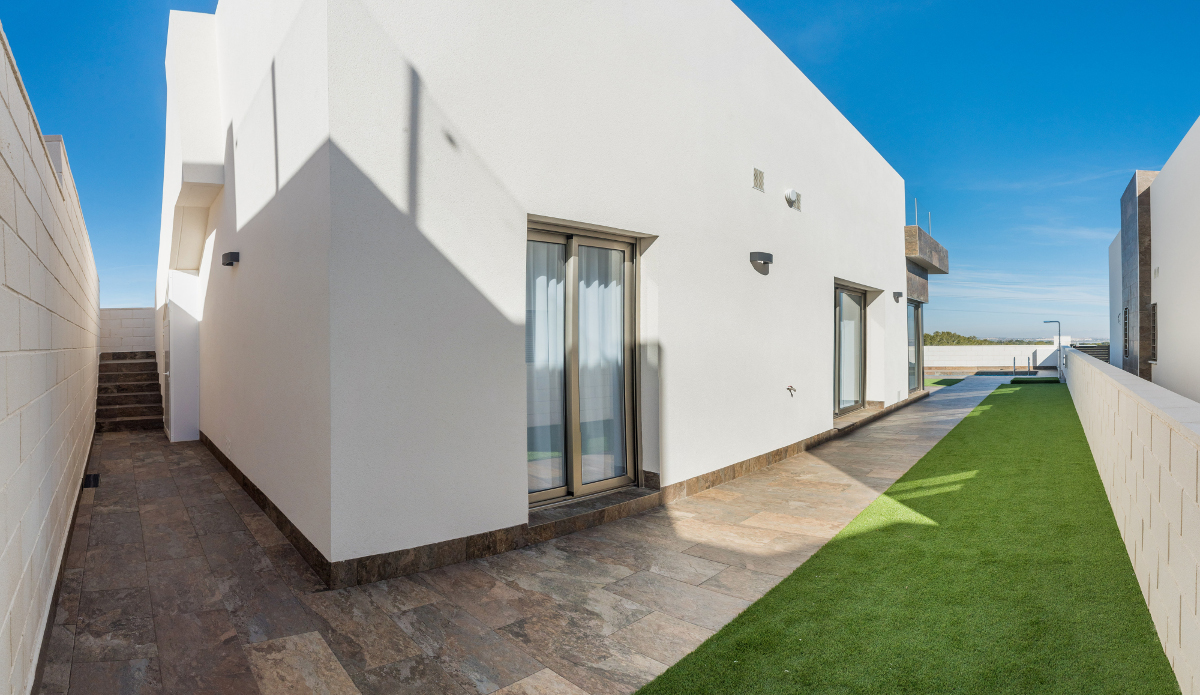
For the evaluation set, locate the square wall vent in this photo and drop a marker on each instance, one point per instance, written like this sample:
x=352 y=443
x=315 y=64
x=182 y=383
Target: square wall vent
x=758 y=180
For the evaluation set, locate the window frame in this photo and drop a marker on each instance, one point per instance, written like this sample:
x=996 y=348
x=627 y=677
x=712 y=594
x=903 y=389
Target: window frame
x=1154 y=331
x=1126 y=332
x=573 y=238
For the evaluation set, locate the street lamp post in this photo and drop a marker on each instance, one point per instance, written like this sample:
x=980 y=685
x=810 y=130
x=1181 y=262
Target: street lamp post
x=1060 y=355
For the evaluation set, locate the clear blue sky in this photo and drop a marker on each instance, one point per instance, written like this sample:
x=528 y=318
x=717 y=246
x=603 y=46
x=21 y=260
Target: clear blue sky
x=1016 y=124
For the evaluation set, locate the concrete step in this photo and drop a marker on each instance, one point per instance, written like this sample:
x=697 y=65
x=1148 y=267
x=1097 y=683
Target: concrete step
x=129 y=387
x=124 y=424
x=143 y=398
x=139 y=355
x=139 y=410
x=128 y=377
x=128 y=366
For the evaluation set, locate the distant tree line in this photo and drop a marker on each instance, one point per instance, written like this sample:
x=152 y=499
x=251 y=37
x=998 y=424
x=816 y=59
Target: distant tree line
x=950 y=338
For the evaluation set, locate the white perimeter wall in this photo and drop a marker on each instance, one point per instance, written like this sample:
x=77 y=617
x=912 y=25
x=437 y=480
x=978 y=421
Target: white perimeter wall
x=48 y=326
x=1174 y=255
x=125 y=330
x=1045 y=356
x=1145 y=439
x=396 y=303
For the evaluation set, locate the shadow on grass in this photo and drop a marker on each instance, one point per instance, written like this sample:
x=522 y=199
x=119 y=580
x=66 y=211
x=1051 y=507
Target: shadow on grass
x=941 y=382
x=993 y=566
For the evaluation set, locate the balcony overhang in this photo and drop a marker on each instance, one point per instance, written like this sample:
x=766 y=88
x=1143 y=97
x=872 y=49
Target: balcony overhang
x=925 y=251
x=200 y=184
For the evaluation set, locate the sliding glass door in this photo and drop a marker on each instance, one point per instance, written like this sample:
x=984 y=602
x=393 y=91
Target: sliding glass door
x=916 y=370
x=849 y=350
x=545 y=276
x=578 y=355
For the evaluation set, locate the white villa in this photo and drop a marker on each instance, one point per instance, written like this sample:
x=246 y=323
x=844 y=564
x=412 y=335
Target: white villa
x=435 y=276
x=1152 y=280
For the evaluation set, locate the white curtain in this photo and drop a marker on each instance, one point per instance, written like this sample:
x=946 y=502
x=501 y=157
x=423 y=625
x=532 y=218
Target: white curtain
x=545 y=274
x=602 y=362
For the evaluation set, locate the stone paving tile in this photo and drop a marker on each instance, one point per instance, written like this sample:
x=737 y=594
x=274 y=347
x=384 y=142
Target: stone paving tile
x=176 y=582
x=298 y=665
x=133 y=677
x=662 y=637
x=201 y=652
x=478 y=658
x=420 y=675
x=544 y=682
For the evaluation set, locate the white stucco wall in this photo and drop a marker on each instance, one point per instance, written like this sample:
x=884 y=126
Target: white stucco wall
x=1174 y=254
x=126 y=330
x=49 y=321
x=262 y=389
x=1116 y=335
x=651 y=116
x=363 y=363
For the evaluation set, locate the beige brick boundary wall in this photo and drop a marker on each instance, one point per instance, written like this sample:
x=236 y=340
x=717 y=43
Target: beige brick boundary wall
x=1145 y=441
x=126 y=330
x=49 y=314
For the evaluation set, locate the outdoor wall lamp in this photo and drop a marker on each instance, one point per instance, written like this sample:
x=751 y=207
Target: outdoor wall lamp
x=761 y=260
x=792 y=197
x=230 y=257
x=897 y=296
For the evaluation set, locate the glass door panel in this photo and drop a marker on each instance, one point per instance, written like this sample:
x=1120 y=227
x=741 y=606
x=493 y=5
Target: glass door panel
x=545 y=279
x=913 y=337
x=850 y=367
x=602 y=363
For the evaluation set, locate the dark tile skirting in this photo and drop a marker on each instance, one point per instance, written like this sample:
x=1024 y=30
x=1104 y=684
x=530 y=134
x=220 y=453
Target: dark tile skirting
x=544 y=524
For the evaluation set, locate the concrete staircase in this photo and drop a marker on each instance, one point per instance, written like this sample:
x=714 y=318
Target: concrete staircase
x=128 y=396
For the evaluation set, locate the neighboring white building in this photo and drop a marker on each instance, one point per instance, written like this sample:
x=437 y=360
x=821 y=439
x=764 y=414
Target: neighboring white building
x=499 y=254
x=1156 y=304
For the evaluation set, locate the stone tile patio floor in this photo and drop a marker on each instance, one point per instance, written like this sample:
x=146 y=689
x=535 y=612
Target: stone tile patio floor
x=176 y=582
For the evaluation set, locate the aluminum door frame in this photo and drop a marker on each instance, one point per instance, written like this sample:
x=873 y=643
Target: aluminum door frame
x=575 y=486
x=837 y=351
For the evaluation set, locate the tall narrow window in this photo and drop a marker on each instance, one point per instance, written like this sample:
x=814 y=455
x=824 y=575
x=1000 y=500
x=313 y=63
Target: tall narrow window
x=1154 y=331
x=578 y=354
x=849 y=369
x=544 y=356
x=1126 y=330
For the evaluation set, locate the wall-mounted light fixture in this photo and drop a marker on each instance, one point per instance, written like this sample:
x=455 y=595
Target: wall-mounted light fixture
x=230 y=257
x=792 y=197
x=897 y=296
x=761 y=260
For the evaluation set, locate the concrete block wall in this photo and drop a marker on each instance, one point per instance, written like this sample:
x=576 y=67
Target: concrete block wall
x=1146 y=440
x=126 y=330
x=49 y=316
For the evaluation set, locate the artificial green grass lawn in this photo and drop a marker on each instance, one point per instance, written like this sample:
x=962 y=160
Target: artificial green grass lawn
x=993 y=566
x=941 y=382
